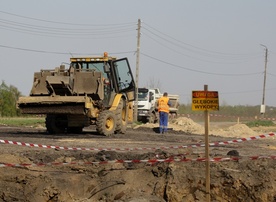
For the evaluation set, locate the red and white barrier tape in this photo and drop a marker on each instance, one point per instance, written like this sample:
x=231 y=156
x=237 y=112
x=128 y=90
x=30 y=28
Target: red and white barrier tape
x=242 y=139
x=135 y=148
x=150 y=161
x=228 y=116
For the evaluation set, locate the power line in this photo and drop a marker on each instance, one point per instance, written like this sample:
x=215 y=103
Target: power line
x=192 y=47
x=126 y=52
x=78 y=29
x=67 y=32
x=65 y=23
x=199 y=71
x=62 y=53
x=236 y=92
x=271 y=74
x=190 y=56
x=64 y=30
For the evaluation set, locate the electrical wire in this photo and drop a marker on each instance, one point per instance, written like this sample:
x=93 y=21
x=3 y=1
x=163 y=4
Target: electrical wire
x=192 y=57
x=67 y=30
x=59 y=30
x=63 y=53
x=65 y=23
x=271 y=74
x=112 y=33
x=193 y=48
x=199 y=71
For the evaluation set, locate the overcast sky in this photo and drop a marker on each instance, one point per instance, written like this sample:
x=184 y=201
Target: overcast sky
x=184 y=44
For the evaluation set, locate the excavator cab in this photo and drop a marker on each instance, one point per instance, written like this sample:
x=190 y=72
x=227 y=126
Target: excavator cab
x=116 y=77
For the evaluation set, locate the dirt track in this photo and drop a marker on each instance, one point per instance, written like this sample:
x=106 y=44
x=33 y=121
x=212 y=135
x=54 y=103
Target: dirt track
x=58 y=174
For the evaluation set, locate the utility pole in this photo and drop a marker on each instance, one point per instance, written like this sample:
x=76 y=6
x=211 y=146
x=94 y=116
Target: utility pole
x=263 y=100
x=137 y=70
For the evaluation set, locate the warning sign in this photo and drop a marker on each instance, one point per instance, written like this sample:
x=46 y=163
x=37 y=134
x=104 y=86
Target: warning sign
x=205 y=100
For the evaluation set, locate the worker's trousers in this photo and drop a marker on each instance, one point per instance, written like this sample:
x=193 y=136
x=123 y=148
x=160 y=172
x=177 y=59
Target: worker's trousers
x=163 y=122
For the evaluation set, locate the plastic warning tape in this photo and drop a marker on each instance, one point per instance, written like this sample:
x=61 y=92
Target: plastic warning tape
x=242 y=139
x=227 y=116
x=149 y=161
x=135 y=148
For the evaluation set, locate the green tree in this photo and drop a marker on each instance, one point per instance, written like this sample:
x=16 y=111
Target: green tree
x=8 y=98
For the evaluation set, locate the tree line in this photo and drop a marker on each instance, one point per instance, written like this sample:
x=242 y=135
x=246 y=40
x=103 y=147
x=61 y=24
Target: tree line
x=235 y=111
x=10 y=94
x=8 y=98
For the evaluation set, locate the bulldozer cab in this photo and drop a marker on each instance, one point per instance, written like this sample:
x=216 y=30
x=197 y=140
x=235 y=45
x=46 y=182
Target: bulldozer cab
x=115 y=77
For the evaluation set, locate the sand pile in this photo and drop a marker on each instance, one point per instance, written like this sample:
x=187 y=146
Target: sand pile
x=187 y=125
x=237 y=130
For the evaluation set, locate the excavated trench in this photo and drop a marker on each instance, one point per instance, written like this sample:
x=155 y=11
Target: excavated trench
x=123 y=175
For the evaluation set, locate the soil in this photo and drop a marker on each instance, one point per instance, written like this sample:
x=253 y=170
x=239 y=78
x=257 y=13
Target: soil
x=139 y=166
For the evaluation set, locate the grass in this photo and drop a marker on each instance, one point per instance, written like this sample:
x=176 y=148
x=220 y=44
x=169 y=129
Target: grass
x=260 y=123
x=40 y=121
x=22 y=121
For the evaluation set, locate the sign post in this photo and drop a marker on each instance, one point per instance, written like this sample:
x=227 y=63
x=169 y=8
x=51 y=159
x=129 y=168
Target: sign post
x=206 y=101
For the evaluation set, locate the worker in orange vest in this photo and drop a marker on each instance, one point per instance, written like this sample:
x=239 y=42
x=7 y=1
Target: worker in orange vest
x=164 y=110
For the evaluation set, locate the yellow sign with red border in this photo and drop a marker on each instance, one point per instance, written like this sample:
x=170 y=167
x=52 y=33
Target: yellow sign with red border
x=205 y=100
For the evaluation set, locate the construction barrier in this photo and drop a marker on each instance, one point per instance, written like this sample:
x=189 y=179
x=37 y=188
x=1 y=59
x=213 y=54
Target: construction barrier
x=135 y=148
x=176 y=158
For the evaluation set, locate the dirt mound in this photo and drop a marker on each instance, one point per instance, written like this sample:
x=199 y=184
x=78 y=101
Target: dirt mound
x=180 y=124
x=187 y=125
x=237 y=130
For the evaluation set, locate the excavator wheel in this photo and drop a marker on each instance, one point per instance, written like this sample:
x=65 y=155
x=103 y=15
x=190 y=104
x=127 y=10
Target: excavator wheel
x=56 y=124
x=121 y=117
x=106 y=123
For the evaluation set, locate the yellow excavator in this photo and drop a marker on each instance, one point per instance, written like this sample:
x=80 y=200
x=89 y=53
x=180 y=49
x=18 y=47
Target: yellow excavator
x=93 y=91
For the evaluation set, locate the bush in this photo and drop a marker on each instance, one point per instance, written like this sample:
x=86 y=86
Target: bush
x=8 y=98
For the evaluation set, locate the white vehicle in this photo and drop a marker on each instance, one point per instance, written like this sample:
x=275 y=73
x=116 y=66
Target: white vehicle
x=147 y=104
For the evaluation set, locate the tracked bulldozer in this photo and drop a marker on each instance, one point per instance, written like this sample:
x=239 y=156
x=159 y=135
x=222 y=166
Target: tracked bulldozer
x=95 y=91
